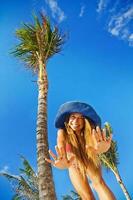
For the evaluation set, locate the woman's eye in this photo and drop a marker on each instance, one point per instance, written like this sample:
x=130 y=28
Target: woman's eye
x=78 y=118
x=72 y=117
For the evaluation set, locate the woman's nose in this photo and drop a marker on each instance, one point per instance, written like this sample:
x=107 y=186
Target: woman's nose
x=76 y=119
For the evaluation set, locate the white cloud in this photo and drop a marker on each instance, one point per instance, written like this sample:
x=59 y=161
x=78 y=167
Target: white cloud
x=101 y=5
x=125 y=33
x=118 y=19
x=56 y=10
x=82 y=9
x=115 y=25
x=130 y=39
x=4 y=169
x=119 y=25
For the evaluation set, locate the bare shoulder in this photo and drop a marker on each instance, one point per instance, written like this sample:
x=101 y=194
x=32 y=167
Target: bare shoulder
x=61 y=134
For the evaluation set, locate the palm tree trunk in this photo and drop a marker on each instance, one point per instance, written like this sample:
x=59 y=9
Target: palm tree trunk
x=118 y=178
x=115 y=170
x=46 y=184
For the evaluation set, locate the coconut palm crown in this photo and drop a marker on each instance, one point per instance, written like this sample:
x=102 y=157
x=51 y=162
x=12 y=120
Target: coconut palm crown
x=38 y=41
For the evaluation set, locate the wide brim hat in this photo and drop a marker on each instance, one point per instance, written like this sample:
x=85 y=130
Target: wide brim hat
x=76 y=107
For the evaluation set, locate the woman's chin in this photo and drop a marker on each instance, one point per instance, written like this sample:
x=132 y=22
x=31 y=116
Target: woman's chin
x=76 y=129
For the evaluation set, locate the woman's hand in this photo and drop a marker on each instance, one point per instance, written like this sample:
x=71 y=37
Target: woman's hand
x=101 y=142
x=60 y=161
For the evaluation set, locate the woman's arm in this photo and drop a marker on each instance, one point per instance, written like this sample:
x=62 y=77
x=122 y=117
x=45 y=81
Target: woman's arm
x=60 y=160
x=61 y=142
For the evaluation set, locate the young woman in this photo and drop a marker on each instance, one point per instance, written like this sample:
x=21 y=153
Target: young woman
x=79 y=142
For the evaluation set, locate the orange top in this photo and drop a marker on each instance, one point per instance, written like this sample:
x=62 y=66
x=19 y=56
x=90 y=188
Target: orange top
x=68 y=147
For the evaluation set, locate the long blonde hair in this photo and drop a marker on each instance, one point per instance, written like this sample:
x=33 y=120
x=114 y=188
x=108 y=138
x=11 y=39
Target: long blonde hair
x=78 y=145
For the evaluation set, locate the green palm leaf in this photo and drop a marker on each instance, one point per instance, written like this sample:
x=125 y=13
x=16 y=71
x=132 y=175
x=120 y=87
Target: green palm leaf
x=38 y=40
x=110 y=160
x=26 y=184
x=73 y=196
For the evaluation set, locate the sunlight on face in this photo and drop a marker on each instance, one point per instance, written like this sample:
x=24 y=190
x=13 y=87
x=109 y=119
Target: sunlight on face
x=76 y=122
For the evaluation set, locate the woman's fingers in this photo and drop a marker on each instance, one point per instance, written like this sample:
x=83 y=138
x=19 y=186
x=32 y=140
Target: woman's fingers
x=63 y=152
x=49 y=161
x=71 y=160
x=94 y=133
x=104 y=134
x=94 y=137
x=58 y=151
x=60 y=161
x=52 y=155
x=99 y=134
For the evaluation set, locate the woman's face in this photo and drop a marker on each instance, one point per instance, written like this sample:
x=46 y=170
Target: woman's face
x=76 y=122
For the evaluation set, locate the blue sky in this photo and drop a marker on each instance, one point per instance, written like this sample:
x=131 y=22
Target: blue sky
x=95 y=66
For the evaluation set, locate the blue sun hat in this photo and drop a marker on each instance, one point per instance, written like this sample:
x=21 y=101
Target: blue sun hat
x=76 y=107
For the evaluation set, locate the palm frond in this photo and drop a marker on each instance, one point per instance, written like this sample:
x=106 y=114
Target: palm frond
x=37 y=40
x=37 y=22
x=16 y=197
x=67 y=197
x=26 y=184
x=28 y=170
x=73 y=196
x=110 y=159
x=31 y=176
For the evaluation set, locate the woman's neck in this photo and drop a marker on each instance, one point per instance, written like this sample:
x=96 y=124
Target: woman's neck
x=79 y=133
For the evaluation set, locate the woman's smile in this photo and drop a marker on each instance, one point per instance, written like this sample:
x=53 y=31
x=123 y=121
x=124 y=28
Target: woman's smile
x=76 y=121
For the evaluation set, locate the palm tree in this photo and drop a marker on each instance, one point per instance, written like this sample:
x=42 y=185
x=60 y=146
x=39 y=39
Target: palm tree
x=73 y=196
x=109 y=159
x=25 y=185
x=39 y=42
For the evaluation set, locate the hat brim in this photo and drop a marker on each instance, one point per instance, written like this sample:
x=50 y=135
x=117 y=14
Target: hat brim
x=76 y=107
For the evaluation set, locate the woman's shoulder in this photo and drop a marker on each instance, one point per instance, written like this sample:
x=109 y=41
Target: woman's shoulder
x=61 y=133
